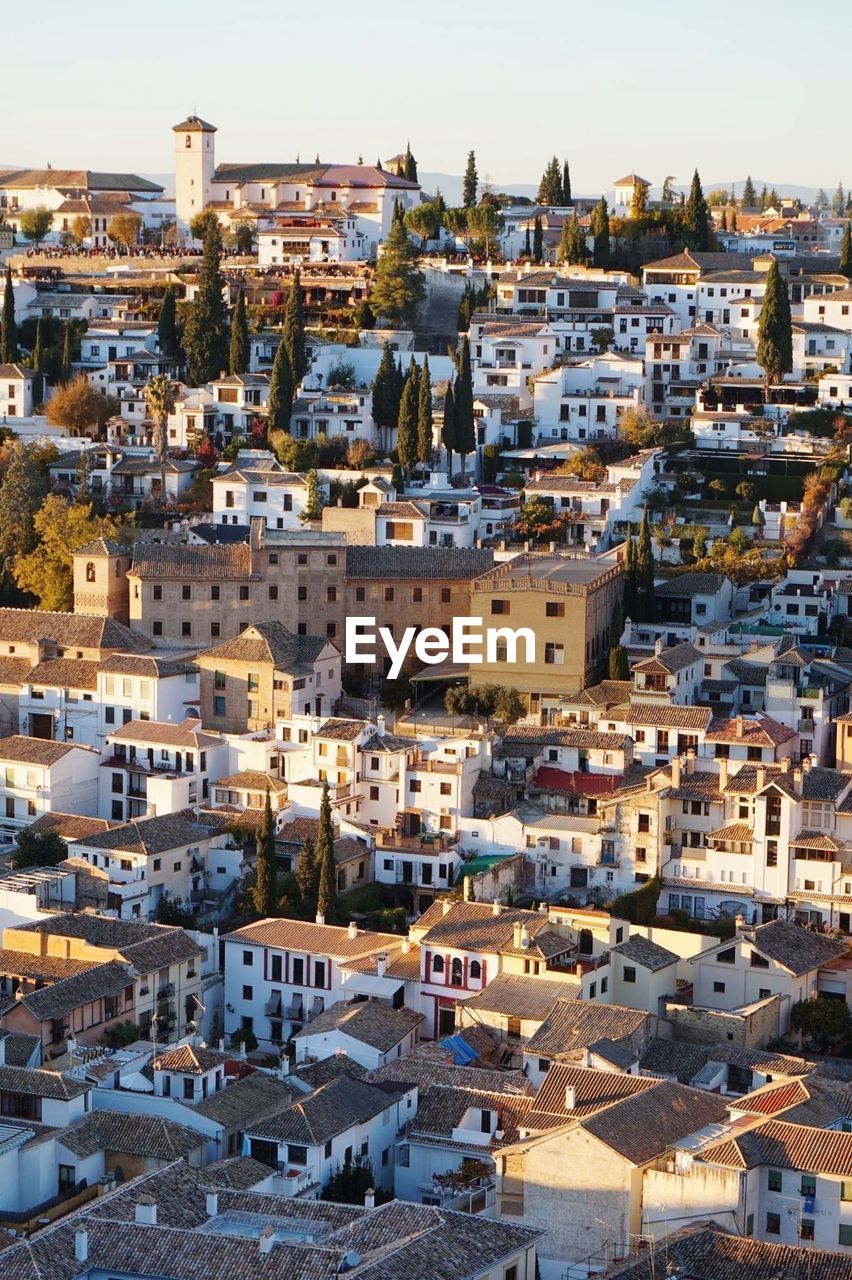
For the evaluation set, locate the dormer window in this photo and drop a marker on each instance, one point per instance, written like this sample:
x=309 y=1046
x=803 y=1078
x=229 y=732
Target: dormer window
x=188 y=141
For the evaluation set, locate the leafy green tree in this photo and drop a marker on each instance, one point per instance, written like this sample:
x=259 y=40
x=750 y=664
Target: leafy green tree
x=618 y=667
x=281 y=389
x=8 y=327
x=749 y=197
x=484 y=223
x=243 y=234
x=424 y=220
x=202 y=222
x=846 y=252
x=448 y=428
x=600 y=230
x=124 y=228
x=574 y=248
x=294 y=329
x=822 y=1020
x=463 y=418
x=398 y=285
x=38 y=849
x=774 y=331
x=406 y=435
x=76 y=404
x=327 y=885
x=763 y=199
x=167 y=331
x=204 y=336
x=160 y=395
x=307 y=875
x=22 y=493
x=508 y=705
x=239 y=346
x=60 y=526
x=471 y=181
x=697 y=218
x=838 y=202
x=538 y=240
x=386 y=392
x=314 y=504
x=365 y=317
x=35 y=223
x=424 y=415
x=550 y=190
x=265 y=890
x=350 y=1182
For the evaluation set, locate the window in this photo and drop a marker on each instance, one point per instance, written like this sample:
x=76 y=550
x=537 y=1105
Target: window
x=438 y=964
x=215 y=592
x=554 y=609
x=67 y=1178
x=808 y=1185
x=719 y=988
x=727 y=957
x=773 y=1224
x=554 y=654
x=844 y=1235
x=244 y=593
x=219 y=706
x=297 y=1155
x=248 y=959
x=186 y=628
x=475 y=969
x=186 y=592
x=629 y=973
x=806 y=1229
x=500 y=607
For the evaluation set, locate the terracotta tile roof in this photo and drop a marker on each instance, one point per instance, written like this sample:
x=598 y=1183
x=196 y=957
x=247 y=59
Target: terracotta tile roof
x=63 y=997
x=14 y=671
x=773 y=1098
x=762 y=731
x=190 y=1059
x=641 y=1127
x=706 y=1252
x=38 y=1083
x=665 y=717
x=39 y=751
x=71 y=826
x=146 y=946
x=646 y=953
x=239 y=1173
x=149 y=836
x=691 y=584
x=252 y=780
x=327 y=1112
x=68 y=630
x=441 y=1108
x=735 y=833
x=315 y=1074
x=473 y=926
x=685 y=1061
x=671 y=660
x=593 y=1092
x=269 y=642
x=415 y=563
x=424 y=1071
x=341 y=730
x=189 y=733
x=517 y=996
x=575 y=1024
x=151 y=1137
x=209 y=561
x=65 y=673
x=794 y=947
x=26 y=964
x=786 y=1146
x=577 y=783
x=127 y=664
x=246 y=1100
x=374 y=1023
x=315 y=939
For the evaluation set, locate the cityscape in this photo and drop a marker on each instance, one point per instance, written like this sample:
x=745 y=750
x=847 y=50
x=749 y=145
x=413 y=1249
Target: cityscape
x=425 y=684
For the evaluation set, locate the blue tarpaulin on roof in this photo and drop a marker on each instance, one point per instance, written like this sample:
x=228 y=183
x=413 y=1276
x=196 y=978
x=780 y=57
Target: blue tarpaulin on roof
x=462 y=1053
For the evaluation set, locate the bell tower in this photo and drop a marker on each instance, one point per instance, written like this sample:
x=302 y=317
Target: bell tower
x=101 y=588
x=195 y=162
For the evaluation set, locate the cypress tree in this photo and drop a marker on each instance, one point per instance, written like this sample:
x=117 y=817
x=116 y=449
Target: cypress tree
x=470 y=181
x=448 y=429
x=167 y=333
x=600 y=228
x=280 y=390
x=734 y=220
x=327 y=885
x=410 y=168
x=294 y=330
x=838 y=201
x=307 y=875
x=846 y=252
x=424 y=416
x=628 y=596
x=67 y=352
x=763 y=199
x=398 y=283
x=538 y=240
x=527 y=244
x=724 y=219
x=38 y=360
x=406 y=435
x=385 y=395
x=749 y=199
x=645 y=570
x=205 y=327
x=574 y=247
x=265 y=893
x=8 y=327
x=566 y=183
x=619 y=667
x=774 y=332
x=463 y=420
x=697 y=218
x=239 y=352
x=550 y=188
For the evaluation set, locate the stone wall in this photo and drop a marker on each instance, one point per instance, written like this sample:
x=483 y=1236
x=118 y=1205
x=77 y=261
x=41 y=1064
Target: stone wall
x=752 y=1029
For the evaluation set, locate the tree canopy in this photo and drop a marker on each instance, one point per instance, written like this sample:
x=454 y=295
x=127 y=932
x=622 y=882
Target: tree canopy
x=79 y=407
x=204 y=336
x=774 y=331
x=398 y=284
x=471 y=181
x=60 y=526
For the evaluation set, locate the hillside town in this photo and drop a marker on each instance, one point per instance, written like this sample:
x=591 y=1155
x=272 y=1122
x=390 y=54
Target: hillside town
x=425 y=703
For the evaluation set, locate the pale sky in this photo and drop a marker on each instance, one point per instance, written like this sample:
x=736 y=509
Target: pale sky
x=656 y=87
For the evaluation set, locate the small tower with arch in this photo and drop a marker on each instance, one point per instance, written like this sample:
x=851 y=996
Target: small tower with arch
x=195 y=163
x=100 y=572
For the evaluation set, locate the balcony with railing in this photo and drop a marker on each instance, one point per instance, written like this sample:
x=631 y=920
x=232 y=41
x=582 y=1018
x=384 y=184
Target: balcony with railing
x=425 y=843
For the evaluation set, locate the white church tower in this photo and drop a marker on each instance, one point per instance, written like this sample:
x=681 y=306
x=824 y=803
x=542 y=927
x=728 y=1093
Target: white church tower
x=195 y=161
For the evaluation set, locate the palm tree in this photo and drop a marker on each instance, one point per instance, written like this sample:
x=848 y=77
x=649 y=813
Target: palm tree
x=160 y=399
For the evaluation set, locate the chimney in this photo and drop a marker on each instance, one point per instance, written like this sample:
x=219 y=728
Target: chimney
x=797 y=781
x=283 y=1067
x=761 y=777
x=676 y=771
x=380 y=726
x=570 y=1097
x=81 y=1245
x=146 y=1211
x=723 y=772
x=525 y=936
x=267 y=1239
x=739 y=725
x=3 y=1050
x=212 y=1204
x=516 y=934
x=466 y=890
x=807 y=763
x=578 y=969
x=495 y=908
x=406 y=946
x=446 y=905
x=784 y=765
x=381 y=964
x=370 y=1198
x=352 y=931
x=658 y=646
x=320 y=918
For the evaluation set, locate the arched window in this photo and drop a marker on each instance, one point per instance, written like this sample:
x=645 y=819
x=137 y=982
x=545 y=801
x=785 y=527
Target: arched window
x=188 y=141
x=90 y=571
x=475 y=970
x=118 y=568
x=456 y=973
x=438 y=964
x=585 y=942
